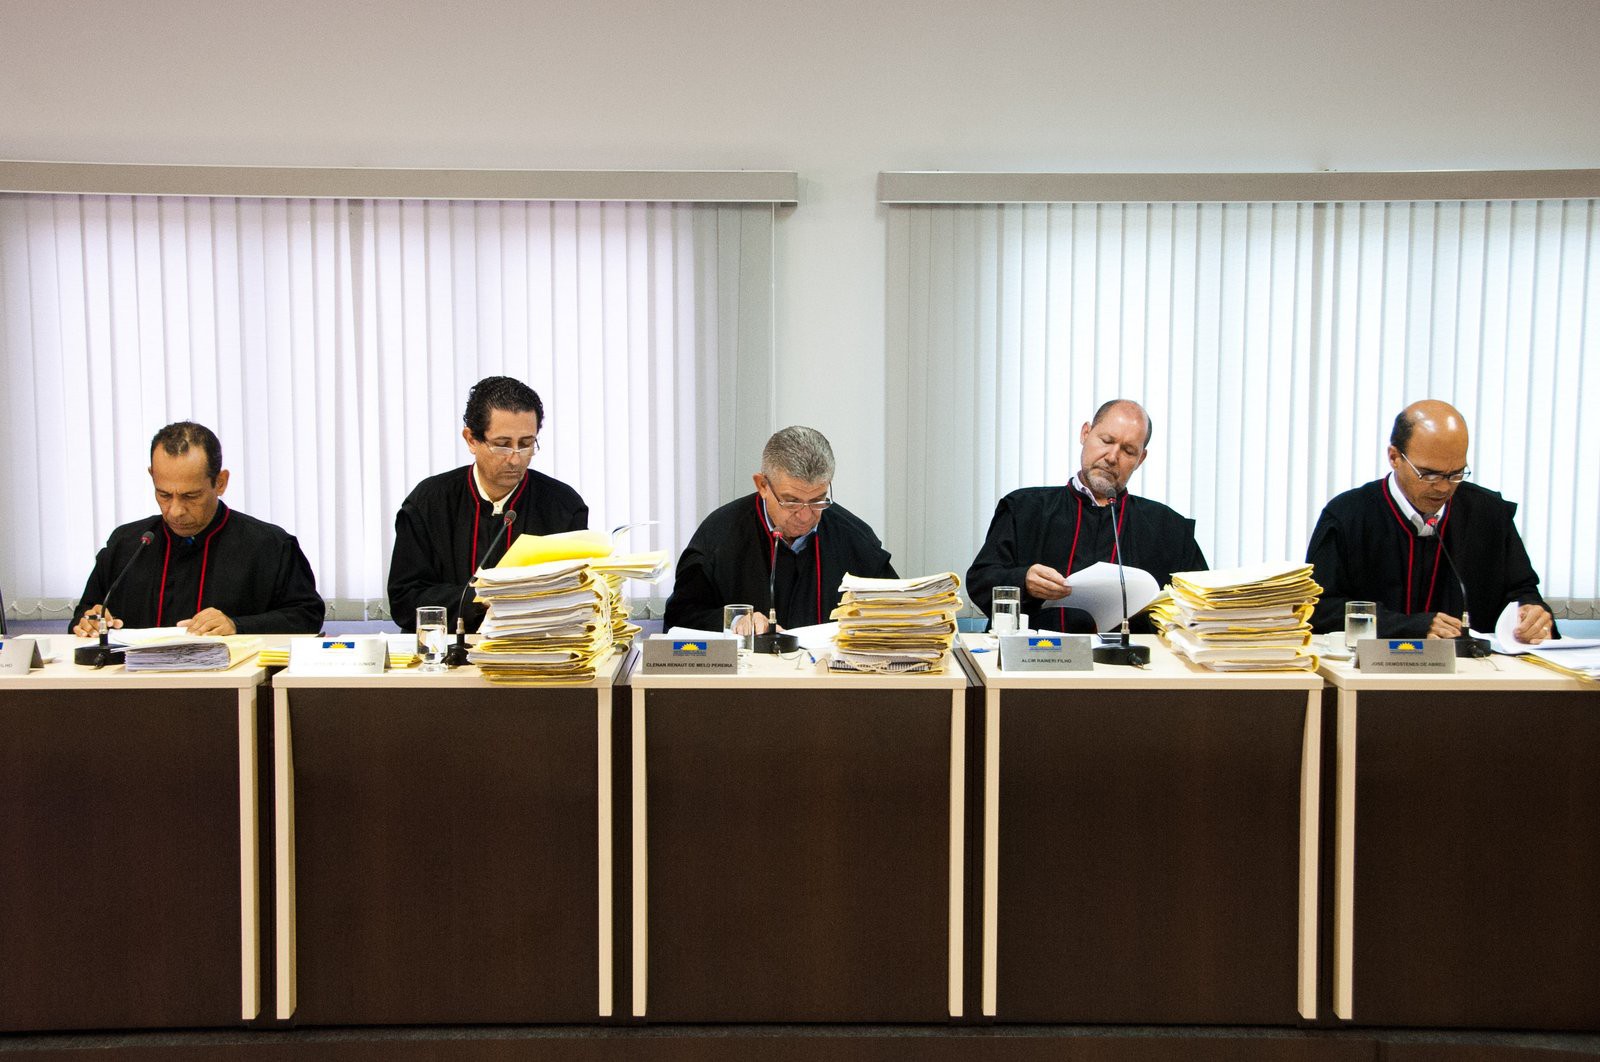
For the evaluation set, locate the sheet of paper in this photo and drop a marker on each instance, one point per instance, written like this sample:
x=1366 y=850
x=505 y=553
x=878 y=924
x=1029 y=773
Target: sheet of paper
x=1098 y=591
x=1505 y=636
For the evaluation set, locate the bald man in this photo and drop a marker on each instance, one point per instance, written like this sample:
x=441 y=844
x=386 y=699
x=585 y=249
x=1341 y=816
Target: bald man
x=1382 y=542
x=1040 y=535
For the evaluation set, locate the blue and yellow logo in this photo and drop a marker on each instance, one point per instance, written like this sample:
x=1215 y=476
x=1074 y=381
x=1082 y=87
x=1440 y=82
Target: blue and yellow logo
x=338 y=645
x=1043 y=643
x=687 y=649
x=1405 y=647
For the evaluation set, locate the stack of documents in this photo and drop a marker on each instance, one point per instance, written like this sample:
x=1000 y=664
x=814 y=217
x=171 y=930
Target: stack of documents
x=546 y=623
x=895 y=625
x=1255 y=618
x=189 y=652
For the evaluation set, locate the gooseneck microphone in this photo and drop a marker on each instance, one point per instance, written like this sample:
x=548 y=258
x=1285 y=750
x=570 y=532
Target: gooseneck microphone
x=1466 y=644
x=104 y=653
x=457 y=656
x=1125 y=654
x=773 y=642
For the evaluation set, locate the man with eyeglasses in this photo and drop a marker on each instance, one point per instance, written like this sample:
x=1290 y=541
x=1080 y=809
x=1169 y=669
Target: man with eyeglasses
x=1393 y=541
x=1040 y=535
x=449 y=520
x=789 y=538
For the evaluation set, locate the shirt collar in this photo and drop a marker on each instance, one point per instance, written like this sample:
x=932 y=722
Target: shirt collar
x=499 y=506
x=1418 y=521
x=799 y=544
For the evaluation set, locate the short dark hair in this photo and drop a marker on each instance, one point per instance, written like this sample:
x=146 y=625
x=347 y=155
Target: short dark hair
x=1149 y=424
x=503 y=393
x=1400 y=434
x=179 y=438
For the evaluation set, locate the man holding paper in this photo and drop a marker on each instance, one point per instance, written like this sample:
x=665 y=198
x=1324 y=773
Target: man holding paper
x=1410 y=540
x=199 y=565
x=788 y=540
x=448 y=522
x=1041 y=535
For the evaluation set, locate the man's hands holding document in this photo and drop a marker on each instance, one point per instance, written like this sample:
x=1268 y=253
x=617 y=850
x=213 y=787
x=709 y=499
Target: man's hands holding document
x=1044 y=583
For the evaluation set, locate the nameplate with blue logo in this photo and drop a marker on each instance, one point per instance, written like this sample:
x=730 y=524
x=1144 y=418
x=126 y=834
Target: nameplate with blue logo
x=1046 y=651
x=361 y=654
x=1406 y=656
x=17 y=655
x=665 y=655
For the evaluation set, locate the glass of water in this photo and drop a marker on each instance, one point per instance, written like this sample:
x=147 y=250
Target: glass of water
x=433 y=636
x=1360 y=621
x=739 y=621
x=1005 y=617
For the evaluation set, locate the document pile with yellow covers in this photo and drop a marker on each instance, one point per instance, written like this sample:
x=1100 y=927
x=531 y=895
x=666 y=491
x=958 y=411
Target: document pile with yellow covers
x=178 y=650
x=1255 y=618
x=895 y=625
x=555 y=607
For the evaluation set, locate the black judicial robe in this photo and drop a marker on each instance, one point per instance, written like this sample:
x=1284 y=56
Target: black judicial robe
x=1059 y=527
x=1364 y=549
x=250 y=570
x=444 y=526
x=728 y=562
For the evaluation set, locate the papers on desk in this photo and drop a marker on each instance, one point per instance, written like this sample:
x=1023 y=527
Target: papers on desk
x=1097 y=590
x=188 y=652
x=893 y=626
x=1578 y=657
x=1254 y=618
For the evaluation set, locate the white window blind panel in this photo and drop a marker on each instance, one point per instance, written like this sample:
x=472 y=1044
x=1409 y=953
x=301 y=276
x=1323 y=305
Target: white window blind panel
x=1273 y=343
x=331 y=344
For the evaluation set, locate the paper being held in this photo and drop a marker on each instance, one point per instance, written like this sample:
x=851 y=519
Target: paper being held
x=1098 y=591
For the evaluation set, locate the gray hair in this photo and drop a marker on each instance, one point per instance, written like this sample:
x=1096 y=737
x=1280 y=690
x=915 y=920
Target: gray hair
x=802 y=453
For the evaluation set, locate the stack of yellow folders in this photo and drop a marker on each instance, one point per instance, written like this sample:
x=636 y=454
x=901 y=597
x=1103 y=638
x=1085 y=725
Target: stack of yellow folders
x=895 y=625
x=1255 y=618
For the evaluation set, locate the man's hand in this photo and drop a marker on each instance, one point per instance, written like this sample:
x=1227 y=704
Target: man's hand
x=1045 y=583
x=209 y=621
x=88 y=625
x=1534 y=624
x=1444 y=625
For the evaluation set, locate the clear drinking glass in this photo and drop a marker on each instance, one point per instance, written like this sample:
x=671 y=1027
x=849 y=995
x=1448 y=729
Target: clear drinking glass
x=433 y=636
x=1005 y=615
x=739 y=620
x=1360 y=621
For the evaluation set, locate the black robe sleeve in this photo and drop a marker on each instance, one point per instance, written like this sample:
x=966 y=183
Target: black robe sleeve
x=997 y=563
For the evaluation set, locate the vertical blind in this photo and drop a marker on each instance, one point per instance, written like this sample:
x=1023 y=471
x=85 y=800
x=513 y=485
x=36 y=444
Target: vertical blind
x=331 y=344
x=1273 y=344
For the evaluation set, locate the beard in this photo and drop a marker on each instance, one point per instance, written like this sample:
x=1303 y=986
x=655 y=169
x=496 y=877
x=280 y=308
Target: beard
x=1101 y=481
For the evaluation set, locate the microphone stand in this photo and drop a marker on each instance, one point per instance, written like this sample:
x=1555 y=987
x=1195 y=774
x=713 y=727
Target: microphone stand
x=1126 y=654
x=1466 y=645
x=773 y=642
x=456 y=656
x=103 y=653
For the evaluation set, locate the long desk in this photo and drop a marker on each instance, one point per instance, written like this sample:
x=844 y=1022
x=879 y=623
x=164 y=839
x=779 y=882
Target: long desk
x=1467 y=862
x=443 y=849
x=1150 y=843
x=129 y=892
x=799 y=845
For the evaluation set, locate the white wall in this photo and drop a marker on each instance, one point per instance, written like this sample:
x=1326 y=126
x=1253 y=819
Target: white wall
x=836 y=89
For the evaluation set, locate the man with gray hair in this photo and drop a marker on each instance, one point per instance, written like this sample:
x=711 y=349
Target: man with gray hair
x=788 y=541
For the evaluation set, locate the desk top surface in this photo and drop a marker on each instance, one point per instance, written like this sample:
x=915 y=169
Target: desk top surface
x=1167 y=671
x=63 y=674
x=1504 y=673
x=802 y=669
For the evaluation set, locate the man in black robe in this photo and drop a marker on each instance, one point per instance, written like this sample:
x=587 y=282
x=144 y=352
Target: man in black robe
x=448 y=523
x=788 y=540
x=1393 y=541
x=1041 y=535
x=205 y=567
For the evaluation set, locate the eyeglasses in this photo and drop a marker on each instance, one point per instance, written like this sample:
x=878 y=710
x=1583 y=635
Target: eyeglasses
x=815 y=506
x=514 y=451
x=1431 y=476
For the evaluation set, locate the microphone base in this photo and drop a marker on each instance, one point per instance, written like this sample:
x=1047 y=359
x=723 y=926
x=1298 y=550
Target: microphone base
x=1471 y=648
x=97 y=655
x=775 y=644
x=1122 y=655
x=456 y=655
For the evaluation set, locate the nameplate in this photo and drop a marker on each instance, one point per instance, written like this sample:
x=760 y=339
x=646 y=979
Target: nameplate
x=1406 y=656
x=1045 y=651
x=18 y=655
x=691 y=656
x=364 y=654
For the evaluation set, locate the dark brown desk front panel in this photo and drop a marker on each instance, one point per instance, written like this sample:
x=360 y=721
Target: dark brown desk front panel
x=445 y=854
x=798 y=854
x=1149 y=855
x=119 y=858
x=1477 y=859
